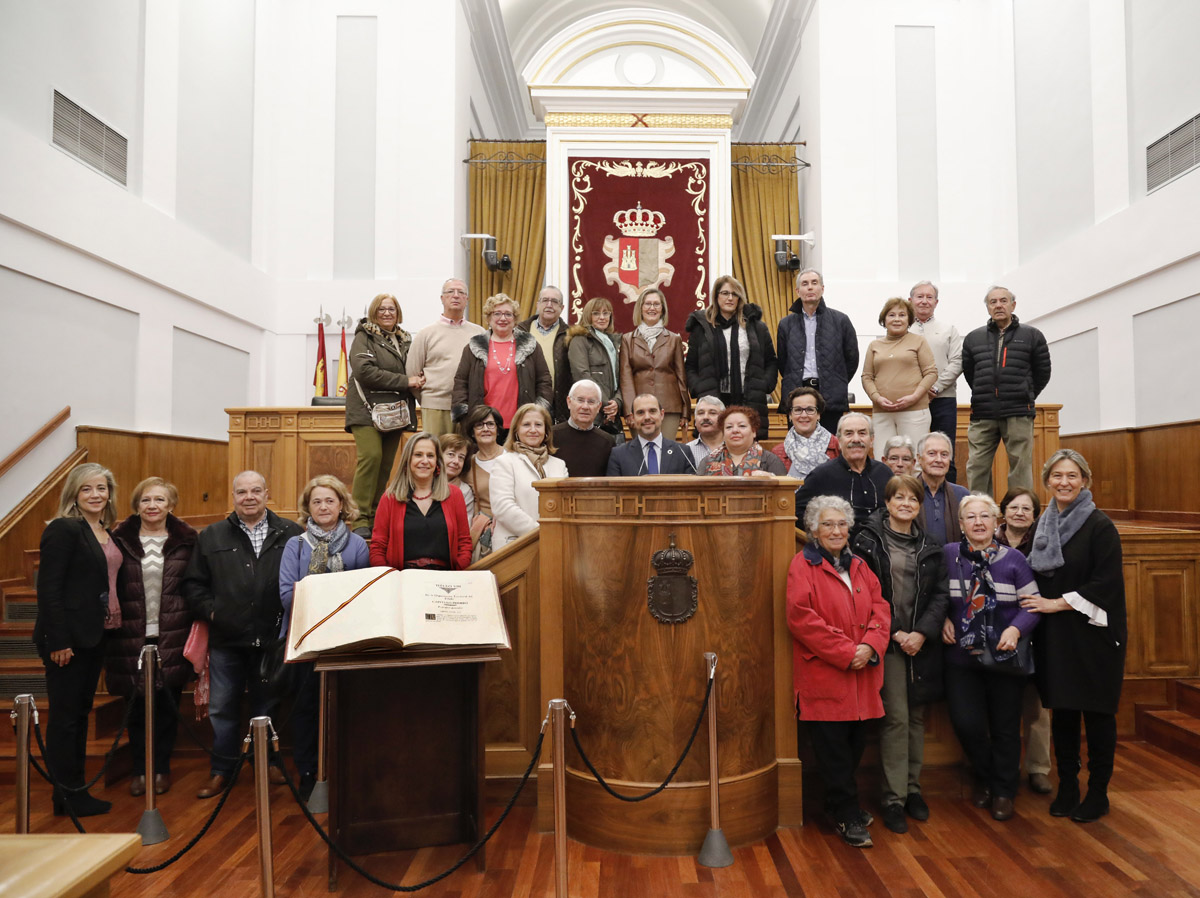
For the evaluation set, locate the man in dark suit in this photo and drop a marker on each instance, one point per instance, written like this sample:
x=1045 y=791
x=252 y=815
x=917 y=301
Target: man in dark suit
x=649 y=452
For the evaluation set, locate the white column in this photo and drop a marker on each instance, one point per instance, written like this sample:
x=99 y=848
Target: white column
x=1110 y=107
x=160 y=104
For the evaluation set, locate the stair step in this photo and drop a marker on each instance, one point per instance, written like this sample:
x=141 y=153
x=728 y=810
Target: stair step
x=1187 y=697
x=15 y=644
x=108 y=712
x=120 y=766
x=20 y=609
x=1174 y=731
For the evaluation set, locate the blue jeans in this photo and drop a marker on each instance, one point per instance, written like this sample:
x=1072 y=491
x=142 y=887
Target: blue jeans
x=231 y=671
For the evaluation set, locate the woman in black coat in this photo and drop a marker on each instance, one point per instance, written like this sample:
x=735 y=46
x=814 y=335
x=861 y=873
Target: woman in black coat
x=1080 y=647
x=76 y=600
x=155 y=547
x=911 y=569
x=730 y=353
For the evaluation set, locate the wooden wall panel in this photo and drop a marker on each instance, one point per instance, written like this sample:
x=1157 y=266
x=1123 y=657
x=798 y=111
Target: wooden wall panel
x=21 y=529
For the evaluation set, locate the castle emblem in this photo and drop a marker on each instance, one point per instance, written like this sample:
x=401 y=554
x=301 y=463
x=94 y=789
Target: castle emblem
x=638 y=258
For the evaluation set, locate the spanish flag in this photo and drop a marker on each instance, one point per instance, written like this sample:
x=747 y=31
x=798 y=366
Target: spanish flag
x=343 y=370
x=319 y=380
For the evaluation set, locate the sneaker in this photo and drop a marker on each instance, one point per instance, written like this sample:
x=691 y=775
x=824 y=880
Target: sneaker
x=893 y=817
x=916 y=807
x=865 y=818
x=853 y=834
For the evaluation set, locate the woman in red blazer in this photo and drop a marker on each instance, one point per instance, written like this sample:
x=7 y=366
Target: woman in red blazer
x=421 y=521
x=840 y=625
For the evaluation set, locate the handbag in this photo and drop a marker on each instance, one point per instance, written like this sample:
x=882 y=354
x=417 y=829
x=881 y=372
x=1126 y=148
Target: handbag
x=1019 y=665
x=386 y=416
x=277 y=676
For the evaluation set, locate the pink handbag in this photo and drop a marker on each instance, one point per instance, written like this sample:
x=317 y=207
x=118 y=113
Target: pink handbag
x=196 y=651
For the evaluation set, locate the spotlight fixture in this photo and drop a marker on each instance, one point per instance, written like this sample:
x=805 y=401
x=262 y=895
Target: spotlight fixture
x=785 y=259
x=492 y=259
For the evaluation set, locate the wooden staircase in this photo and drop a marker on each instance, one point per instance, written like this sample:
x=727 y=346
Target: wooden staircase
x=1174 y=727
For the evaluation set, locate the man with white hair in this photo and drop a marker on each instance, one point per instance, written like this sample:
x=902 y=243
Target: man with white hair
x=436 y=351
x=710 y=439
x=938 y=516
x=946 y=342
x=579 y=442
x=853 y=475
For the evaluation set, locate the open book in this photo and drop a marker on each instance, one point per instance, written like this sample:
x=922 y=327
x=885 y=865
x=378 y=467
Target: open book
x=384 y=608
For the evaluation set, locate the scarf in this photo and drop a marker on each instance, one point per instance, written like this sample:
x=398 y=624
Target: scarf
x=607 y=343
x=536 y=457
x=650 y=333
x=977 y=624
x=806 y=452
x=841 y=564
x=1055 y=529
x=327 y=547
x=720 y=463
x=729 y=363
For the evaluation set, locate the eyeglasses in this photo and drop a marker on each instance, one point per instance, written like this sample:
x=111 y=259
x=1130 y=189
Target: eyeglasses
x=550 y=301
x=486 y=425
x=805 y=410
x=503 y=315
x=834 y=525
x=730 y=293
x=455 y=292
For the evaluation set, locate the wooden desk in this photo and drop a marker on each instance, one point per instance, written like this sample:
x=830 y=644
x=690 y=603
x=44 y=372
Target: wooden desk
x=63 y=866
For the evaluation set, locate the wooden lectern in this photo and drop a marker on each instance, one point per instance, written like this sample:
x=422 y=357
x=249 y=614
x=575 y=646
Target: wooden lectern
x=637 y=684
x=404 y=750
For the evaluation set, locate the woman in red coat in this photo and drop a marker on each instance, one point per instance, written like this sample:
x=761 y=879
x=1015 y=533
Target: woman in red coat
x=421 y=521
x=840 y=623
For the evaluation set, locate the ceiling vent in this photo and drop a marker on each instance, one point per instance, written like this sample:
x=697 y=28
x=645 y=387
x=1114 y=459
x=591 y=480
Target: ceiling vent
x=88 y=139
x=1169 y=157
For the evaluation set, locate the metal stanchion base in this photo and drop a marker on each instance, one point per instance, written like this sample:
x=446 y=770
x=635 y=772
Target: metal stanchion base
x=715 y=851
x=151 y=827
x=318 y=801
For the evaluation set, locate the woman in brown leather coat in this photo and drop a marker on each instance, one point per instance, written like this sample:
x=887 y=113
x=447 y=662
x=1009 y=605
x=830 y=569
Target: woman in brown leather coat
x=652 y=362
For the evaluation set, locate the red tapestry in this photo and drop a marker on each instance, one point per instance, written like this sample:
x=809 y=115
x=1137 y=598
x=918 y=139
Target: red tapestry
x=637 y=223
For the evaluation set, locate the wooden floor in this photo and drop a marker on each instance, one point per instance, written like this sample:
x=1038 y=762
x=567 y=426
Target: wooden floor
x=1148 y=845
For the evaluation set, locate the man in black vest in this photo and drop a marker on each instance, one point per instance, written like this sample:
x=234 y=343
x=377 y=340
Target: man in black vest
x=582 y=445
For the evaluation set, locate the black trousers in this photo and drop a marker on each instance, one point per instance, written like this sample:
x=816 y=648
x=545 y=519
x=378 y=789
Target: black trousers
x=1101 y=743
x=166 y=728
x=71 y=690
x=306 y=719
x=985 y=709
x=943 y=417
x=838 y=746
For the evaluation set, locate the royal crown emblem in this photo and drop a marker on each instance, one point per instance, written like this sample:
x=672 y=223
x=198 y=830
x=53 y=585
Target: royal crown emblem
x=637 y=259
x=673 y=594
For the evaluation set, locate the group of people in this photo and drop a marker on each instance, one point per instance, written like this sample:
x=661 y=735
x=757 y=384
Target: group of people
x=912 y=589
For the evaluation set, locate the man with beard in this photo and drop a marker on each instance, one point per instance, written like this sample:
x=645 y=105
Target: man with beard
x=708 y=414
x=853 y=475
x=578 y=441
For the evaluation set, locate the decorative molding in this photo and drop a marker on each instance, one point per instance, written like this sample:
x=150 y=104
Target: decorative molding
x=636 y=120
x=777 y=53
x=502 y=85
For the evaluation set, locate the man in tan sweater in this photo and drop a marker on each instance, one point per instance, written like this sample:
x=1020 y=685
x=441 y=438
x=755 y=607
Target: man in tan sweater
x=436 y=351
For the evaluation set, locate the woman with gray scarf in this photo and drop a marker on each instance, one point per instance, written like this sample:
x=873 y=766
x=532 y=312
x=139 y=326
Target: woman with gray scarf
x=326 y=545
x=1080 y=647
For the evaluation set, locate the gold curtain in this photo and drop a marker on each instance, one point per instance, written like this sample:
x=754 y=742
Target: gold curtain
x=766 y=201
x=508 y=200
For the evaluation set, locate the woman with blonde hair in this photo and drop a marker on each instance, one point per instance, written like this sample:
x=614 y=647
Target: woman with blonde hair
x=898 y=371
x=530 y=457
x=652 y=362
x=503 y=368
x=593 y=353
x=377 y=376
x=730 y=353
x=326 y=545
x=422 y=519
x=155 y=549
x=76 y=602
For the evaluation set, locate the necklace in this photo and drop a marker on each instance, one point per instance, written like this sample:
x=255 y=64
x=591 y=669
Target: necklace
x=417 y=498
x=512 y=354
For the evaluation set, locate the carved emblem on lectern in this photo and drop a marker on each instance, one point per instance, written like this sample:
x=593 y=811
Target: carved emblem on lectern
x=672 y=594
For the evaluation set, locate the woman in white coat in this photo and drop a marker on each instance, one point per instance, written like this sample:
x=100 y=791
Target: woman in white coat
x=530 y=457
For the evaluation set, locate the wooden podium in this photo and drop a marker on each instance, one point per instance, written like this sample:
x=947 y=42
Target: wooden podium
x=637 y=684
x=404 y=751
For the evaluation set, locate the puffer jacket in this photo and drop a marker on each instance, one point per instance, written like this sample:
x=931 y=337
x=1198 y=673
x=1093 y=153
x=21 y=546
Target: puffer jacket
x=561 y=367
x=590 y=361
x=533 y=374
x=929 y=609
x=1005 y=384
x=235 y=592
x=828 y=620
x=837 y=354
x=174 y=617
x=762 y=371
x=377 y=365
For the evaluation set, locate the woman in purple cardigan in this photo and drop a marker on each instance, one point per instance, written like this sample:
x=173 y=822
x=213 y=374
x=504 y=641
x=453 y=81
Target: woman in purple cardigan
x=985 y=624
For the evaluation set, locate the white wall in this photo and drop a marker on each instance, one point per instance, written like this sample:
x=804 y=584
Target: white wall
x=207 y=377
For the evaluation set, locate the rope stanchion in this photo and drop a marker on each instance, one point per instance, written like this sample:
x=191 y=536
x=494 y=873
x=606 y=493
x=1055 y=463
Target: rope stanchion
x=24 y=710
x=262 y=799
x=277 y=760
x=674 y=770
x=151 y=827
x=318 y=799
x=715 y=850
x=558 y=761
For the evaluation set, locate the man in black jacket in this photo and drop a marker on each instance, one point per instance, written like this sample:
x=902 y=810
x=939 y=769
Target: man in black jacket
x=550 y=330
x=1007 y=365
x=817 y=347
x=232 y=582
x=853 y=475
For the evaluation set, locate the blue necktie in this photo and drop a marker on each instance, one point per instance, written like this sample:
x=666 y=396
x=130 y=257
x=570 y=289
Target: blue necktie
x=651 y=459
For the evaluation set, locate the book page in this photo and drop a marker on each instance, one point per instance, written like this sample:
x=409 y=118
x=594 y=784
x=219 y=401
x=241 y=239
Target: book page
x=452 y=608
x=373 y=617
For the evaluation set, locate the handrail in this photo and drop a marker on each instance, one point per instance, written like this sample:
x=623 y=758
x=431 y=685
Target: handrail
x=30 y=444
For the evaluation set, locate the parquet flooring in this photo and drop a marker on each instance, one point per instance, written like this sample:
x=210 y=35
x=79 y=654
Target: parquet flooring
x=1148 y=845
